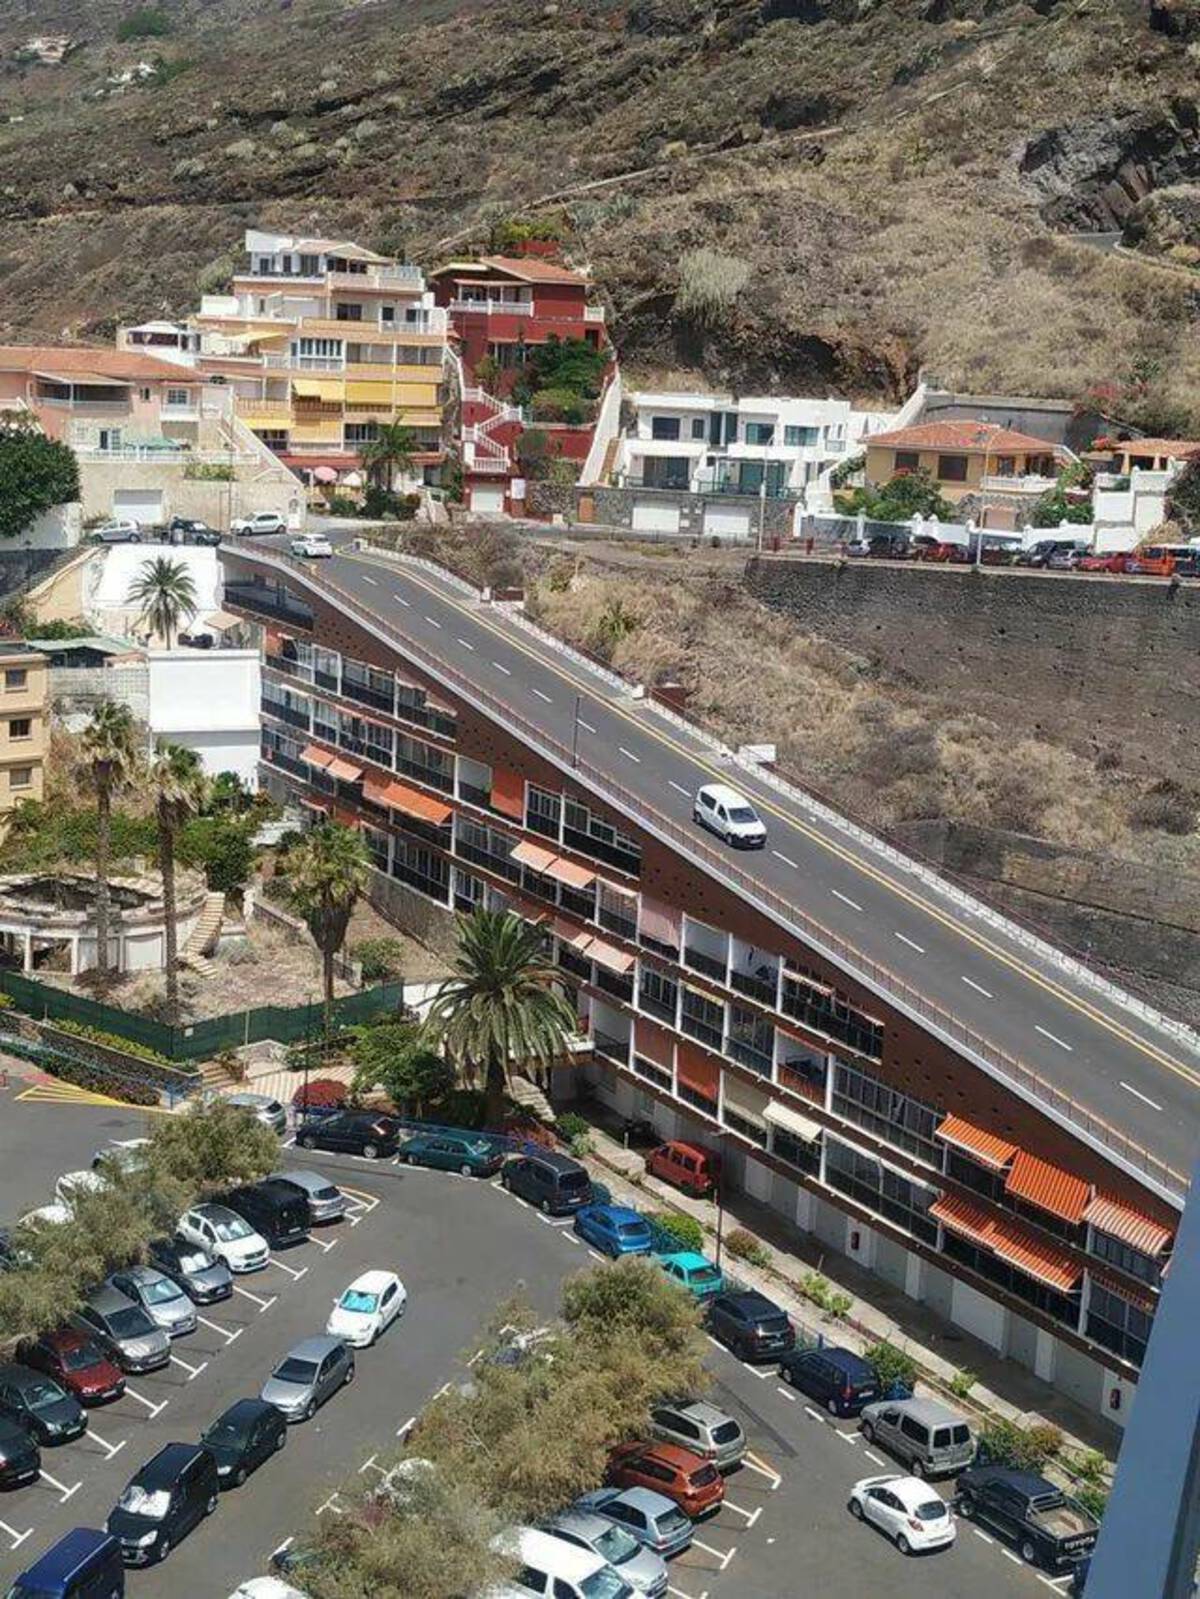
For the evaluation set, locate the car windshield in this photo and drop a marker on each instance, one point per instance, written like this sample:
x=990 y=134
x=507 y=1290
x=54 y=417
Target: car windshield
x=294 y=1370
x=224 y=1431
x=479 y=1146
x=194 y=1260
x=231 y=1229
x=325 y=1193
x=704 y=1274
x=616 y=1545
x=741 y=813
x=79 y=1359
x=931 y=1510
x=159 y=1290
x=359 y=1301
x=603 y=1584
x=633 y=1229
x=131 y=1323
x=151 y=1502
x=41 y=1393
x=572 y=1181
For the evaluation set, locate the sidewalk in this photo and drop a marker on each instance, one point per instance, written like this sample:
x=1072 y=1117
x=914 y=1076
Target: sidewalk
x=1002 y=1389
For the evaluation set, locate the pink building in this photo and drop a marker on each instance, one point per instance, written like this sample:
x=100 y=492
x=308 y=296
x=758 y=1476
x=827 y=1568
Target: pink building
x=102 y=401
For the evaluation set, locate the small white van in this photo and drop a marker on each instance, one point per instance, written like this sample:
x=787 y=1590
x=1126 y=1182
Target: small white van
x=553 y=1569
x=730 y=815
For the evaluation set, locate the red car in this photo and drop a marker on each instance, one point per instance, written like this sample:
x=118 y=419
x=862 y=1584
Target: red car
x=688 y=1166
x=1114 y=561
x=78 y=1364
x=694 y=1483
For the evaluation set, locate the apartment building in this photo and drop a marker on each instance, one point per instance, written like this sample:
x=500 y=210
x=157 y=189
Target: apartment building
x=102 y=401
x=1002 y=470
x=24 y=726
x=872 y=1135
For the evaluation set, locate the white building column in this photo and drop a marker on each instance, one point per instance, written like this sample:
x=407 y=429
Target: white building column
x=914 y=1276
x=28 y=956
x=1044 y=1352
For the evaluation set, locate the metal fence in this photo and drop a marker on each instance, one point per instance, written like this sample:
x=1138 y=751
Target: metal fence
x=200 y=1040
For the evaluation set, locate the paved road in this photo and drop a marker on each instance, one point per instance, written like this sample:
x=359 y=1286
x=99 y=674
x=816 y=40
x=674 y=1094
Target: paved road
x=1119 y=1069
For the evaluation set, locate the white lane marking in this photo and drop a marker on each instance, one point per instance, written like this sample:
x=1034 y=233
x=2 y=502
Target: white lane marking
x=149 y=1403
x=587 y=726
x=279 y=1548
x=288 y=1142
x=678 y=1592
x=91 y=1435
x=445 y=1388
x=982 y=1535
x=367 y=1464
x=1052 y=1038
x=871 y=1455
x=374 y=584
x=294 y=1272
x=1137 y=1094
x=330 y=1504
x=629 y=755
x=466 y=644
x=325 y=1244
x=1008 y=1555
x=213 y=1327
x=970 y=982
x=786 y=1392
x=65 y=1492
x=572 y=1238
x=263 y=1304
x=847 y=1437
x=18 y=1538
x=405 y=1426
x=595 y=1255
x=542 y=696
x=845 y=898
x=400 y=600
x=754 y=1371
x=679 y=788
x=722 y=1557
x=433 y=621
x=786 y=859
x=750 y=1515
x=507 y=672
x=192 y=1371
x=910 y=943
x=815 y=1414
x=1053 y=1582
x=714 y=1342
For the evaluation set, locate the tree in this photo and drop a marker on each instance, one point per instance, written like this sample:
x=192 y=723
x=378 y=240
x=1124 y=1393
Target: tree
x=111 y=754
x=395 y=1056
x=391 y=451
x=223 y=846
x=504 y=1007
x=178 y=785
x=209 y=1147
x=166 y=593
x=906 y=495
x=326 y=872
x=36 y=473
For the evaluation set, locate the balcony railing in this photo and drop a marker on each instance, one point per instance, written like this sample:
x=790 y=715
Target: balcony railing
x=613 y=983
x=1018 y=483
x=402 y=275
x=287 y=713
x=758 y=1060
x=700 y=962
x=614 y=1048
x=764 y=989
x=653 y=1006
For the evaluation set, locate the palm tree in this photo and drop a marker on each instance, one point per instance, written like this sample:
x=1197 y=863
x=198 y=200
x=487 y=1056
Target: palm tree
x=326 y=872
x=179 y=788
x=504 y=1006
x=389 y=452
x=111 y=751
x=166 y=593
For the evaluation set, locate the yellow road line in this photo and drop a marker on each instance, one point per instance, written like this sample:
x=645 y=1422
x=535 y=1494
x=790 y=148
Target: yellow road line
x=46 y=1094
x=1110 y=1025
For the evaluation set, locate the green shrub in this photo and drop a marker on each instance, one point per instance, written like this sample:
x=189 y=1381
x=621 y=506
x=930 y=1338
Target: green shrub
x=223 y=847
x=816 y=1288
x=380 y=958
x=97 y=1035
x=845 y=470
x=36 y=474
x=559 y=405
x=209 y=472
x=97 y=1081
x=839 y=1305
x=149 y=23
x=1003 y=1443
x=684 y=1231
x=743 y=1245
x=216 y=276
x=1094 y=1499
x=891 y=1365
x=709 y=286
x=961 y=1383
x=572 y=1125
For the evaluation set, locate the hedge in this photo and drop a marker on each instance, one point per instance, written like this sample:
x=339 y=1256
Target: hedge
x=126 y=1046
x=98 y=1081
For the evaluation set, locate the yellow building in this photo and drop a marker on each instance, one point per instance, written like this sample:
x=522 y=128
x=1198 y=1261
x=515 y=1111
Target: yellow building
x=321 y=341
x=24 y=726
x=964 y=458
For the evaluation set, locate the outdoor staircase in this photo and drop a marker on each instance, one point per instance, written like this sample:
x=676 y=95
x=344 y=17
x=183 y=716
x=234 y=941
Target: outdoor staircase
x=216 y=1078
x=194 y=954
x=530 y=1097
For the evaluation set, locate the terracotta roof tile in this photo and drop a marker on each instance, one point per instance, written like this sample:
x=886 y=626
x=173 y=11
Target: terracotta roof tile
x=90 y=360
x=964 y=436
x=531 y=270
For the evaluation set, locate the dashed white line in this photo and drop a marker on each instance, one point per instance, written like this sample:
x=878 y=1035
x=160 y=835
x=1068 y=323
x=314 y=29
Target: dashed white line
x=466 y=644
x=294 y=1272
x=1137 y=1094
x=971 y=983
x=847 y=1437
x=786 y=859
x=1052 y=1038
x=92 y=1436
x=212 y=1326
x=400 y=600
x=845 y=898
x=406 y=1426
x=595 y=1254
x=503 y=669
x=871 y=1455
x=18 y=1538
x=1008 y=1555
x=982 y=1535
x=542 y=696
x=433 y=622
x=149 y=1403
x=910 y=943
x=629 y=755
x=679 y=788
x=369 y=580
x=263 y=1304
x=587 y=726
x=815 y=1414
x=723 y=1557
x=786 y=1392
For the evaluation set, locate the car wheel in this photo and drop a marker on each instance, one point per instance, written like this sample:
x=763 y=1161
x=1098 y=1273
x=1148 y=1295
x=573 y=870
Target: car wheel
x=371 y=1151
x=164 y=1548
x=212 y=1503
x=310 y=1410
x=868 y=1433
x=903 y=1544
x=545 y=1207
x=965 y=1506
x=281 y=1440
x=855 y=1509
x=831 y=1405
x=239 y=1476
x=917 y=1467
x=348 y=1378
x=307 y=1141
x=1028 y=1552
x=464 y=1170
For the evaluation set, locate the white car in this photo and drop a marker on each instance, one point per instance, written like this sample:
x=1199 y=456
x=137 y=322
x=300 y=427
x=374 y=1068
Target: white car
x=906 y=1509
x=47 y=1215
x=78 y=1182
x=266 y=1588
x=729 y=814
x=121 y=530
x=311 y=544
x=362 y=1311
x=224 y=1234
x=260 y=522
x=126 y=1153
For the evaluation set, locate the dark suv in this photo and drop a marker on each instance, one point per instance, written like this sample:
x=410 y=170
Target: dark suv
x=359 y=1132
x=751 y=1325
x=37 y=1403
x=840 y=1379
x=164 y=1501
x=556 y=1184
x=273 y=1209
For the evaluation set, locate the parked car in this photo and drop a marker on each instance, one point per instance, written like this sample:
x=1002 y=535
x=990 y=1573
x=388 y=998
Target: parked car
x=838 y=1378
x=73 y=1183
x=1079 y=1577
x=358 y=1132
x=262 y=522
x=75 y=1361
x=126 y=1154
x=367 y=1308
x=691 y=1167
x=926 y=1436
x=204 y=1279
x=468 y=1153
x=730 y=815
x=1046 y=1527
x=242 y=1437
x=694 y=1272
x=652 y=1518
x=307 y=1375
x=263 y=1107
x=905 y=1509
x=750 y=1324
x=311 y=545
x=1116 y=561
x=695 y=1484
x=266 y=1588
x=1039 y=554
x=633 y=1561
x=163 y=1502
x=275 y=1211
x=924 y=547
x=553 y=1568
x=121 y=530
x=225 y=1235
x=556 y=1184
x=193 y=530
x=703 y=1429
x=84 y=1564
x=324 y=1199
x=614 y=1230
x=20 y=1457
x=163 y=1300
x=39 y=1404
x=123 y=1330
x=1066 y=560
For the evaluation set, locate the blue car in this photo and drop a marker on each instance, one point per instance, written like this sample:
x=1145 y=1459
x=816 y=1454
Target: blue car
x=614 y=1229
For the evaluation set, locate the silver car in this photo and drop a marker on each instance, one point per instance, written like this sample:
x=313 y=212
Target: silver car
x=703 y=1429
x=163 y=1300
x=263 y=1108
x=639 y=1566
x=307 y=1375
x=123 y=1330
x=326 y=1202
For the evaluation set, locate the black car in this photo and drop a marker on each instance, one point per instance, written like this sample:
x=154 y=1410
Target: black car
x=40 y=1405
x=164 y=1501
x=203 y=1279
x=1046 y=1526
x=243 y=1437
x=751 y=1325
x=20 y=1458
x=275 y=1210
x=555 y=1183
x=193 y=530
x=359 y=1132
x=841 y=1380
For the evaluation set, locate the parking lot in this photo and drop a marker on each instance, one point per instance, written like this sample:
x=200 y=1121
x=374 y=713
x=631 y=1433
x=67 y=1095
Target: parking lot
x=461 y=1245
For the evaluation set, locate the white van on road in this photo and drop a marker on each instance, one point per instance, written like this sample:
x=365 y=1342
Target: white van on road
x=730 y=815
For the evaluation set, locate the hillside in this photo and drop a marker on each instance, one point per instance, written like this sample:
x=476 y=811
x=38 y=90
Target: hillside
x=899 y=177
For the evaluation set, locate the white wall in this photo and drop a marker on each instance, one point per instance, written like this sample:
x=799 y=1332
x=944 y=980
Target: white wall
x=209 y=701
x=116 y=566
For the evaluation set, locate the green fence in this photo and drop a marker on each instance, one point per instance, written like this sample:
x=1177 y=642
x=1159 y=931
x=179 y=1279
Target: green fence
x=203 y=1039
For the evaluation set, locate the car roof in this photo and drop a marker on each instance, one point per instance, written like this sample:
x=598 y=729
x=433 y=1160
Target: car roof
x=1027 y=1482
x=106 y=1299
x=912 y=1490
x=165 y=1466
x=246 y=1410
x=751 y=1299
x=247 y=1098
x=19 y=1376
x=848 y=1361
x=313 y=1348
x=62 y=1338
x=682 y=1143
x=676 y=1455
x=64 y=1559
x=618 y=1213
x=723 y=794
x=545 y=1551
x=646 y=1500
x=699 y=1410
x=310 y=1181
x=585 y=1523
x=930 y=1411
x=556 y=1162
x=374 y=1280
x=212 y=1212
x=688 y=1259
x=142 y=1274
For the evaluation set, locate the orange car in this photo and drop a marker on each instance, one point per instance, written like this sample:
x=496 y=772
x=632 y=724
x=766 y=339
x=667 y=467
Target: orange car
x=692 y=1482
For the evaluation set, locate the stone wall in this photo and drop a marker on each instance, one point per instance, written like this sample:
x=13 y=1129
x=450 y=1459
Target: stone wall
x=1093 y=661
x=614 y=507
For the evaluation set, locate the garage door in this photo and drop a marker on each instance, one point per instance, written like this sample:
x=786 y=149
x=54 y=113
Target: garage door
x=487 y=497
x=655 y=516
x=727 y=521
x=140 y=505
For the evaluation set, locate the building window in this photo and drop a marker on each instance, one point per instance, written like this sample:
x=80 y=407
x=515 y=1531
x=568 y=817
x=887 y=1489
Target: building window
x=1118 y=1325
x=20 y=777
x=310 y=266
x=179 y=398
x=702 y=1018
x=652 y=1073
x=664 y=427
x=486 y=847
x=1062 y=1307
x=666 y=472
x=751 y=1039
x=952 y=468
x=978 y=1178
x=760 y=432
x=816 y=1005
x=803 y=1153
x=616 y=912
x=906 y=461
x=348 y=313
x=421 y=868
x=801 y=438
x=15 y=677
x=361 y=432
x=658 y=994
x=698 y=429
x=592 y=835
x=145 y=394
x=896 y=1118
x=1126 y=1259
x=697 y=1100
x=424 y=762
x=543 y=811
x=754 y=1131
x=20 y=727
x=881 y=1190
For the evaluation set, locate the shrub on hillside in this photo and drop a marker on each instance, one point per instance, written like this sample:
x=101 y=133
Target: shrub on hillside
x=380 y=958
x=151 y=22
x=1167 y=806
x=709 y=286
x=97 y=1035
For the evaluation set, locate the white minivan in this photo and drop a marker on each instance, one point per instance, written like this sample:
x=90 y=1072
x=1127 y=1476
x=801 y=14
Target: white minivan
x=553 y=1569
x=730 y=815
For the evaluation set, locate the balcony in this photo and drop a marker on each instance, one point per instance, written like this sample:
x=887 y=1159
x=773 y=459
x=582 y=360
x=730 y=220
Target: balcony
x=654 y=1006
x=504 y=307
x=1028 y=483
x=612 y=1048
x=699 y=961
x=757 y=1060
x=402 y=274
x=287 y=713
x=618 y=985
x=268 y=601
x=756 y=986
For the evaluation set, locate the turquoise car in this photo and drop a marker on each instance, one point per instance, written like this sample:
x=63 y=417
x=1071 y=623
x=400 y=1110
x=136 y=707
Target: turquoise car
x=693 y=1272
x=468 y=1153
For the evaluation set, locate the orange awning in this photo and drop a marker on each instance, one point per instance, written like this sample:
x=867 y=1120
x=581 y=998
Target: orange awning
x=1048 y=1187
x=1130 y=1226
x=533 y=856
x=315 y=756
x=409 y=801
x=985 y=1147
x=508 y=793
x=697 y=1071
x=317 y=805
x=1035 y=1257
x=962 y=1217
x=564 y=871
x=610 y=956
x=576 y=938
x=347 y=773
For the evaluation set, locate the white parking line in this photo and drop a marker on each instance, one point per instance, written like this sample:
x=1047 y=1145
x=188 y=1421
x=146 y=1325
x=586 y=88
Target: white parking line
x=330 y=1504
x=466 y=644
x=542 y=696
x=149 y=1403
x=288 y=1142
x=587 y=726
x=1008 y=1555
x=1137 y=1094
x=786 y=1392
x=92 y=1436
x=750 y=1515
x=18 y=1538
x=756 y=1371
x=722 y=1557
x=212 y=1326
x=678 y=1592
x=572 y=1238
x=294 y=1272
x=280 y=1548
x=1057 y=1583
x=715 y=1343
x=325 y=1245
x=406 y=1427
x=629 y=755
x=878 y=1459
x=192 y=1371
x=62 y=1488
x=367 y=1464
x=910 y=943
x=755 y=1464
x=445 y=1388
x=978 y=989
x=400 y=600
x=847 y=1437
x=506 y=670
x=845 y=899
x=263 y=1304
x=815 y=1414
x=786 y=859
x=982 y=1535
x=595 y=1254
x=1052 y=1038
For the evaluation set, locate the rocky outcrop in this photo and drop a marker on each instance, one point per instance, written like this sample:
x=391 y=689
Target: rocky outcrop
x=1167 y=223
x=1091 y=175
